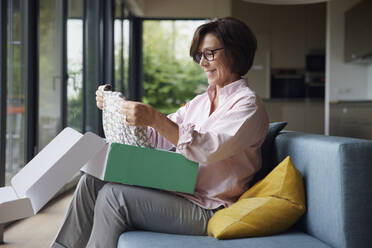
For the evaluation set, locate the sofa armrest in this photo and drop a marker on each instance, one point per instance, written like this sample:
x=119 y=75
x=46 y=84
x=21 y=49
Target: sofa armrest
x=337 y=174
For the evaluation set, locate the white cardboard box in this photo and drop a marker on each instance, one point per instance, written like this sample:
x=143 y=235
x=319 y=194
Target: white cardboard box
x=35 y=184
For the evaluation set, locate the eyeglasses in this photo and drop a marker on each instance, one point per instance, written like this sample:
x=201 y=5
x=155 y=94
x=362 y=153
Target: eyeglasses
x=207 y=54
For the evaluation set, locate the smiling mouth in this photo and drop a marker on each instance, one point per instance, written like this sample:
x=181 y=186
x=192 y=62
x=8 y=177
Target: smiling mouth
x=210 y=71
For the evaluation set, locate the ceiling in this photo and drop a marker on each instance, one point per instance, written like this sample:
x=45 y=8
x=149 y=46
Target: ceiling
x=285 y=1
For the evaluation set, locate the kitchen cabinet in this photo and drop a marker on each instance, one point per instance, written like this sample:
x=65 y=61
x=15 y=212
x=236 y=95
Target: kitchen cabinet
x=302 y=114
x=358 y=38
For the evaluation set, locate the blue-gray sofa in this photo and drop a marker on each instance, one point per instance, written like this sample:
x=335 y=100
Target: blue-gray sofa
x=337 y=174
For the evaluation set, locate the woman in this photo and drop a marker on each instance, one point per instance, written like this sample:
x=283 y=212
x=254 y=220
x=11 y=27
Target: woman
x=221 y=129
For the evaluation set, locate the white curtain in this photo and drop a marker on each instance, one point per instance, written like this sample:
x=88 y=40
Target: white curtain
x=285 y=1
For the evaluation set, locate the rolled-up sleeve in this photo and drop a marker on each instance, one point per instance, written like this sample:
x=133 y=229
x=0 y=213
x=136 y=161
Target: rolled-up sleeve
x=242 y=126
x=186 y=133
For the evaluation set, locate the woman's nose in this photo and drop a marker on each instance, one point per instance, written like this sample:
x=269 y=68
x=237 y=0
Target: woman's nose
x=203 y=61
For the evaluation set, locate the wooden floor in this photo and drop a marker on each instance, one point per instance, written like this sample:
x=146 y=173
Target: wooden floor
x=38 y=231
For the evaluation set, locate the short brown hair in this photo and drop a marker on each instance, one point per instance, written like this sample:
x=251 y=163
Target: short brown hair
x=238 y=40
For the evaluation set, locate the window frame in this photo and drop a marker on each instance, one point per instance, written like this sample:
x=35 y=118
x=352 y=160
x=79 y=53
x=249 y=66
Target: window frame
x=3 y=89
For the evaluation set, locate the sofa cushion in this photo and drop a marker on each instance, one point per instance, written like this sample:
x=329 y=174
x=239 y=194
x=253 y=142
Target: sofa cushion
x=337 y=173
x=267 y=150
x=142 y=239
x=270 y=206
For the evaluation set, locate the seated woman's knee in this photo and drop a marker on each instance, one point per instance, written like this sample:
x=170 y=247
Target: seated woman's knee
x=88 y=182
x=107 y=192
x=85 y=180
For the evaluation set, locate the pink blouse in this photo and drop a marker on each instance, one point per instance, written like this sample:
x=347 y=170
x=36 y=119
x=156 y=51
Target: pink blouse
x=226 y=144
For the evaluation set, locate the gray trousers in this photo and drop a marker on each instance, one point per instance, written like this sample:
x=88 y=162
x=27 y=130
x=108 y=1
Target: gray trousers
x=99 y=212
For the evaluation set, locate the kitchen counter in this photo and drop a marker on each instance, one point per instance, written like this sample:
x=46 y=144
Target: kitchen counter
x=302 y=114
x=351 y=101
x=293 y=99
x=351 y=118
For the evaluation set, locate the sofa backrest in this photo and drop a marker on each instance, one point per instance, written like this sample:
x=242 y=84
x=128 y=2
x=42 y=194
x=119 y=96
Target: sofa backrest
x=337 y=173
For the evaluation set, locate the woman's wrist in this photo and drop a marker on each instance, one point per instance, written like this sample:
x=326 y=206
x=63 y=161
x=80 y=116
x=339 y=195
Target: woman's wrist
x=165 y=127
x=156 y=118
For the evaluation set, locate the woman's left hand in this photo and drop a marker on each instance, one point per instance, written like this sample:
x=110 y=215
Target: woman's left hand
x=137 y=113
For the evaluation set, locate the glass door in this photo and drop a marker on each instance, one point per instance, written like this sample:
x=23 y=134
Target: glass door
x=121 y=48
x=16 y=89
x=75 y=64
x=50 y=70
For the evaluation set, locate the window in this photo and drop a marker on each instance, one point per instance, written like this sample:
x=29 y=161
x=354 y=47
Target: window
x=50 y=70
x=75 y=65
x=170 y=77
x=93 y=67
x=36 y=60
x=121 y=49
x=16 y=89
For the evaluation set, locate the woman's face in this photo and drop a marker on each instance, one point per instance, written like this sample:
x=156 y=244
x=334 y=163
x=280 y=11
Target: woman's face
x=217 y=71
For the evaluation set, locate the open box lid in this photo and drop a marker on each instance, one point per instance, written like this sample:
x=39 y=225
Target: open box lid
x=54 y=165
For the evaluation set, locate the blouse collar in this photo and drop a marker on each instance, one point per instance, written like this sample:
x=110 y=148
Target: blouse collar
x=227 y=90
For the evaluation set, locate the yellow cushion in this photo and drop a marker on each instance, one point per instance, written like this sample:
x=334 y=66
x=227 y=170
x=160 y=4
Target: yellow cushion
x=270 y=206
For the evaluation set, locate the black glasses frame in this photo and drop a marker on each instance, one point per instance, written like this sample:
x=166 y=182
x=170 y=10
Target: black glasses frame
x=197 y=57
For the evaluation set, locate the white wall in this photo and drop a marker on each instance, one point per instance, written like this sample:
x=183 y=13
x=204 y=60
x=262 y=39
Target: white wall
x=344 y=81
x=369 y=82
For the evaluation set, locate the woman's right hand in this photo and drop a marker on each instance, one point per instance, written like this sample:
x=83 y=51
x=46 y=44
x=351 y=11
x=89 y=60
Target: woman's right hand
x=99 y=96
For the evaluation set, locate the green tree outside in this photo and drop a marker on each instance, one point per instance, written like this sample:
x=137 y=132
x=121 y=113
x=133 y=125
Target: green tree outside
x=171 y=78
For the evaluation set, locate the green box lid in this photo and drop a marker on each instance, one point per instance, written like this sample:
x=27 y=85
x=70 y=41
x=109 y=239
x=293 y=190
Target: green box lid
x=150 y=168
